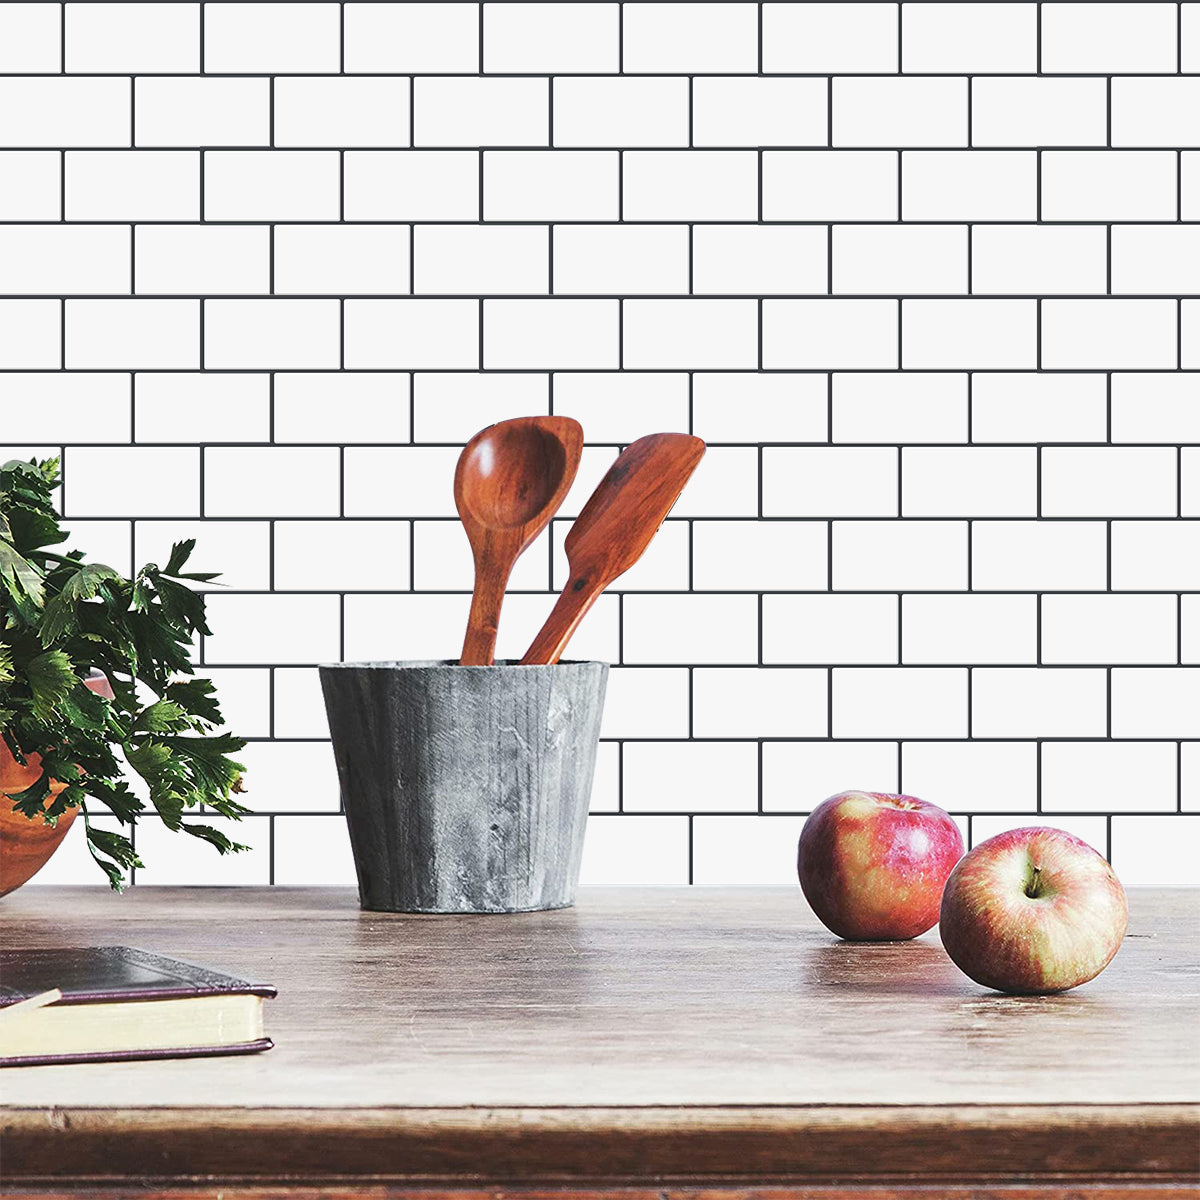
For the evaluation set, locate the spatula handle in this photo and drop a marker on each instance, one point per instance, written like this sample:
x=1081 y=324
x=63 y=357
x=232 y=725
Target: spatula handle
x=577 y=597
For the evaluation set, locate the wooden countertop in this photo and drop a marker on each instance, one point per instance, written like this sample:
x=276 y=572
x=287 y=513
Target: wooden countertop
x=681 y=1033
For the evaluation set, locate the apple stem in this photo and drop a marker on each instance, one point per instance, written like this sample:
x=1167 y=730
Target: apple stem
x=1031 y=888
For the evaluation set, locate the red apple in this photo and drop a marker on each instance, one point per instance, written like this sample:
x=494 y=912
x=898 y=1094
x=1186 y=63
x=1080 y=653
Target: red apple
x=872 y=865
x=1033 y=911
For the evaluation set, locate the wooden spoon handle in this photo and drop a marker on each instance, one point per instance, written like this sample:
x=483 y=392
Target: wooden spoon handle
x=572 y=605
x=479 y=645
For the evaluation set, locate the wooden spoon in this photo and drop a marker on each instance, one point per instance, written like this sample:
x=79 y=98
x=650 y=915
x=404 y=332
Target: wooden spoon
x=615 y=527
x=511 y=479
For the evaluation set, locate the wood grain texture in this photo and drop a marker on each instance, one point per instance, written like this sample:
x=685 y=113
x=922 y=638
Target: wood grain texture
x=466 y=789
x=688 y=1035
x=1073 y=1190
x=511 y=478
x=614 y=528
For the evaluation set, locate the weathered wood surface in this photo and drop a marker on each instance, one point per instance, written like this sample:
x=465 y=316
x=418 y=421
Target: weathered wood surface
x=665 y=1034
x=465 y=788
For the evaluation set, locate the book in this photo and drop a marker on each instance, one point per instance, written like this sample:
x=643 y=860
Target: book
x=117 y=1002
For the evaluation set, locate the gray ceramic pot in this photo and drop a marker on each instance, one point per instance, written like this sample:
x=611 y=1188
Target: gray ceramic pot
x=466 y=789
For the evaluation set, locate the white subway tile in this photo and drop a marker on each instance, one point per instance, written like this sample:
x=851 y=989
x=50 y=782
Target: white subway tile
x=77 y=407
x=64 y=259
x=759 y=555
x=899 y=259
x=551 y=37
x=1189 y=481
x=1017 y=406
x=835 y=334
x=346 y=556
x=620 y=259
x=450 y=111
x=646 y=702
x=238 y=550
x=341 y=111
x=1039 y=259
x=1108 y=185
x=1190 y=34
x=551 y=334
x=412 y=37
x=969 y=334
x=827 y=185
x=598 y=638
x=551 y=185
x=1108 y=38
x=622 y=407
x=725 y=484
x=899 y=555
x=80 y=111
x=972 y=777
x=908 y=407
x=453 y=407
x=906 y=112
x=899 y=702
x=271 y=185
x=30 y=185
x=342 y=260
x=831 y=629
x=690 y=629
x=271 y=38
x=969 y=185
x=1156 y=851
x=387 y=628
x=690 y=185
x=797 y=776
x=31 y=334
x=313 y=851
x=1039 y=111
x=406 y=185
x=690 y=777
x=1035 y=556
x=1189 y=784
x=760 y=260
x=401 y=481
x=829 y=481
x=412 y=333
x=969 y=481
x=1109 y=334
x=1156 y=112
x=1109 y=629
x=327 y=407
x=300 y=334
x=620 y=111
x=483 y=259
x=126 y=38
x=31 y=38
x=272 y=629
x=1090 y=829
x=1155 y=408
x=244 y=696
x=1036 y=702
x=820 y=38
x=1155 y=702
x=183 y=111
x=1108 y=777
x=271 y=481
x=642 y=851
x=690 y=38
x=132 y=333
x=179 y=406
x=129 y=185
x=964 y=629
x=202 y=259
x=1189 y=334
x=969 y=38
x=299 y=705
x=700 y=334
x=175 y=859
x=1108 y=481
x=128 y=481
x=740 y=407
x=1156 y=258
x=754 y=851
x=760 y=111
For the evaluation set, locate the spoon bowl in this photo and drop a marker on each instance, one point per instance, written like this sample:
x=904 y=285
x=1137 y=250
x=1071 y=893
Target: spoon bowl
x=511 y=479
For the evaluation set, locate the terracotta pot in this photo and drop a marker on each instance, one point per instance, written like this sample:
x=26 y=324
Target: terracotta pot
x=26 y=843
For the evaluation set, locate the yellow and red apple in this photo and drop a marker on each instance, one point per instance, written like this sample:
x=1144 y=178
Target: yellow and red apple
x=1033 y=910
x=873 y=864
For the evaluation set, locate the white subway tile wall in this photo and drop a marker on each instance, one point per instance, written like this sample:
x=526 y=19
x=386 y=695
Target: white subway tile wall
x=926 y=276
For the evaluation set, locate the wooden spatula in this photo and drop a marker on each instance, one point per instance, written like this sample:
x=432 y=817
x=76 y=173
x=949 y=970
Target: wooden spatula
x=614 y=529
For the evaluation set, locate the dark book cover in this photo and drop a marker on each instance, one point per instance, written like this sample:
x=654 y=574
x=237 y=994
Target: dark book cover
x=112 y=974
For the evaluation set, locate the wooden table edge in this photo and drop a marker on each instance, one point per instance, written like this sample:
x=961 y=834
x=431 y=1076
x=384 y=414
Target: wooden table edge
x=1147 y=1143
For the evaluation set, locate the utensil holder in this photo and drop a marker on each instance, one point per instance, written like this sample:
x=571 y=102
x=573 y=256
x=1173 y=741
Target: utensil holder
x=466 y=789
